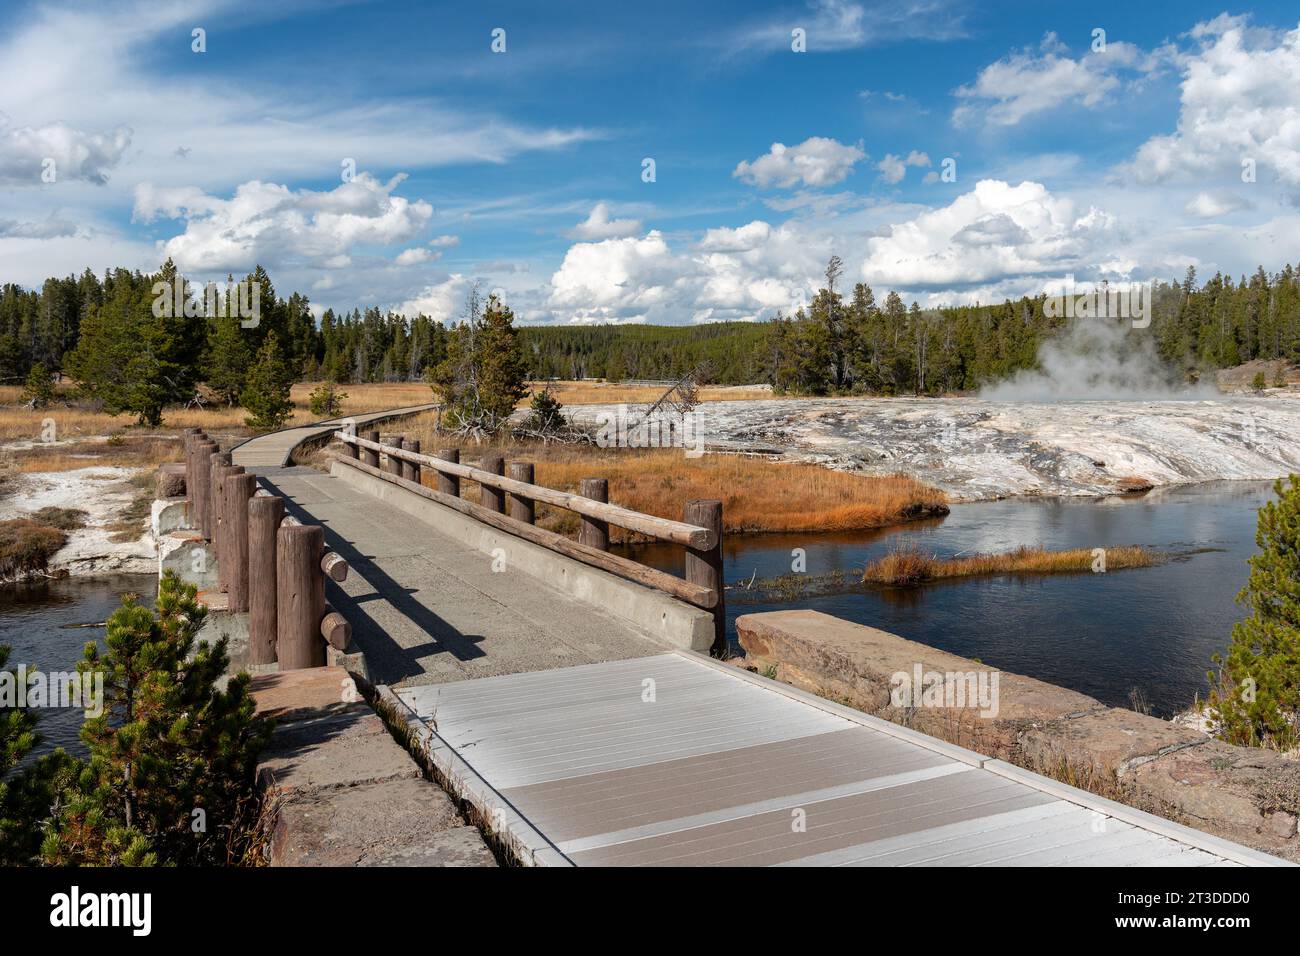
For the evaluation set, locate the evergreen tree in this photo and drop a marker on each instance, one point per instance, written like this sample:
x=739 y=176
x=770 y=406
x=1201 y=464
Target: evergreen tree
x=1255 y=701
x=225 y=368
x=266 y=391
x=483 y=376
x=172 y=756
x=39 y=389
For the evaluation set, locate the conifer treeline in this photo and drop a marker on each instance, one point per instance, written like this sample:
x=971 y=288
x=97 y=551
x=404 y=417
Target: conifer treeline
x=843 y=342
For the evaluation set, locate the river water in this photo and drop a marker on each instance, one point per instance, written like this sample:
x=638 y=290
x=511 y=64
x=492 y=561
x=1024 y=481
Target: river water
x=1154 y=629
x=41 y=623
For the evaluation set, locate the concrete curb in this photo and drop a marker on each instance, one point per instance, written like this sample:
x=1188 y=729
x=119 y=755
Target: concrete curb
x=519 y=837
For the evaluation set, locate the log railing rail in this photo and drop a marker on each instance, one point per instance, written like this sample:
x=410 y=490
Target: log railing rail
x=662 y=529
x=507 y=503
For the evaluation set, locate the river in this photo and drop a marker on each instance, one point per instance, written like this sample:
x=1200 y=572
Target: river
x=1154 y=629
x=40 y=621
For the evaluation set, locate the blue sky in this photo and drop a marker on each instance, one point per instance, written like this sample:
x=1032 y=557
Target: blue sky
x=522 y=171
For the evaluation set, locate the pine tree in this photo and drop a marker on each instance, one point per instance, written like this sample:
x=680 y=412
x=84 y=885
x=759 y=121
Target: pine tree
x=483 y=376
x=39 y=389
x=266 y=391
x=1255 y=700
x=172 y=755
x=228 y=358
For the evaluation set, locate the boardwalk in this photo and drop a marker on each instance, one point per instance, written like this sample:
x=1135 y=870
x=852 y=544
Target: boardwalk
x=673 y=760
x=275 y=449
x=586 y=743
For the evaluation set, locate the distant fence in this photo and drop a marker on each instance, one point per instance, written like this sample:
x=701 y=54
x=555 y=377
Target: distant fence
x=269 y=564
x=508 y=499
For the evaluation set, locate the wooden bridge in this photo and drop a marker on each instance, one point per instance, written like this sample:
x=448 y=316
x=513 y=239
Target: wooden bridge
x=562 y=690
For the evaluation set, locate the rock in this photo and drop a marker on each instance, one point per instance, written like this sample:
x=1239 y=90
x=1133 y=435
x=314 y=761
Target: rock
x=171 y=480
x=1114 y=740
x=858 y=665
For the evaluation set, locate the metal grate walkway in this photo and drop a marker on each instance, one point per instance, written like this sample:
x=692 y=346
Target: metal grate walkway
x=678 y=760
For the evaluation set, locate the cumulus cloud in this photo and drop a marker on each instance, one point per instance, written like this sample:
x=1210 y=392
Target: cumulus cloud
x=26 y=152
x=1027 y=82
x=817 y=161
x=444 y=242
x=416 y=256
x=993 y=233
x=270 y=222
x=50 y=228
x=1240 y=100
x=442 y=301
x=598 y=225
x=1205 y=205
x=893 y=169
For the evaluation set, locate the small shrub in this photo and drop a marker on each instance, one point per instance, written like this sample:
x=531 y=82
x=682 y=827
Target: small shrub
x=65 y=519
x=1259 y=382
x=326 y=400
x=39 y=390
x=26 y=547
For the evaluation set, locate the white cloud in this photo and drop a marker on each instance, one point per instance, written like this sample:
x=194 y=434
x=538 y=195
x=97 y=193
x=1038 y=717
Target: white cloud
x=265 y=222
x=1206 y=205
x=25 y=153
x=817 y=161
x=1026 y=83
x=993 y=233
x=599 y=225
x=843 y=25
x=1240 y=100
x=444 y=242
x=416 y=256
x=893 y=169
x=48 y=228
x=443 y=301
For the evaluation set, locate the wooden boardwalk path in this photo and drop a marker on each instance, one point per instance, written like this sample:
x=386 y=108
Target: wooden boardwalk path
x=274 y=450
x=674 y=759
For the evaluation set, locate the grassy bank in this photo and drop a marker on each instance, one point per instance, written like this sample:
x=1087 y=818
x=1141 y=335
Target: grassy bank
x=27 y=544
x=757 y=494
x=912 y=566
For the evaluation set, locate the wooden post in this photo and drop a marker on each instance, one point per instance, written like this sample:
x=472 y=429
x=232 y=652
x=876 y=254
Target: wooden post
x=299 y=596
x=410 y=470
x=221 y=524
x=352 y=451
x=264 y=515
x=521 y=508
x=220 y=460
x=238 y=490
x=491 y=498
x=449 y=484
x=593 y=532
x=369 y=455
x=395 y=464
x=200 y=516
x=189 y=438
x=705 y=567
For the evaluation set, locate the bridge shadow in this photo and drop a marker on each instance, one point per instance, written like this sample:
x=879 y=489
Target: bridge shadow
x=386 y=659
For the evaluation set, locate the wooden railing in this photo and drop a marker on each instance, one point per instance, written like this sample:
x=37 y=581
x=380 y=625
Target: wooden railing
x=507 y=502
x=269 y=564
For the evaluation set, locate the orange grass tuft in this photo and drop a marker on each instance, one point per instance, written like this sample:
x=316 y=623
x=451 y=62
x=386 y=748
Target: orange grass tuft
x=910 y=566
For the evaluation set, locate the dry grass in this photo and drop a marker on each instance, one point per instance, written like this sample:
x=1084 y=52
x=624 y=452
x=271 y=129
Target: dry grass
x=911 y=566
x=73 y=419
x=612 y=393
x=26 y=547
x=757 y=494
